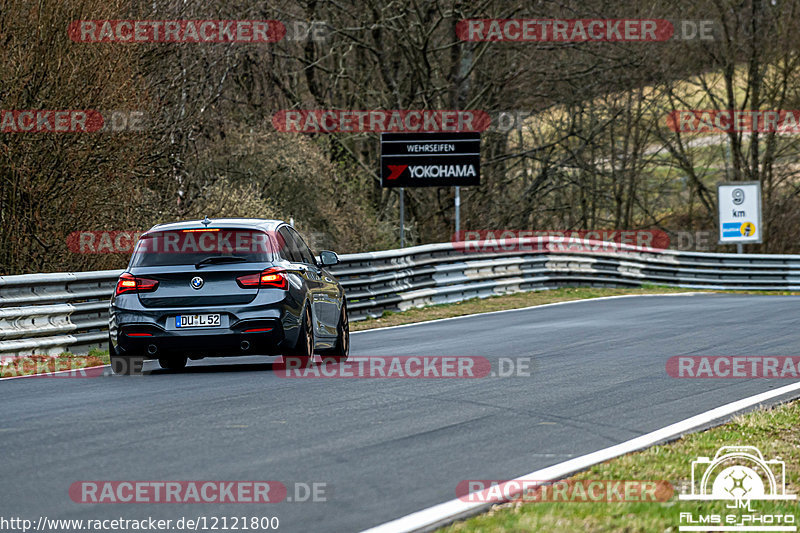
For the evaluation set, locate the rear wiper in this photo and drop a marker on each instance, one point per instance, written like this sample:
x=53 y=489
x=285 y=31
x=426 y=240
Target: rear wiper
x=220 y=259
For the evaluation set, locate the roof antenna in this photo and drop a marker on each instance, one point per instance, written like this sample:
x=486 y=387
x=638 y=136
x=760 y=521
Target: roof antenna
x=206 y=221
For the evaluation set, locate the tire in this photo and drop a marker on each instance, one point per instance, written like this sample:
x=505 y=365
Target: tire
x=341 y=351
x=172 y=363
x=304 y=347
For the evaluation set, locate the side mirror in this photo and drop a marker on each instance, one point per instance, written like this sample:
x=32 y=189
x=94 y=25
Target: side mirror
x=328 y=258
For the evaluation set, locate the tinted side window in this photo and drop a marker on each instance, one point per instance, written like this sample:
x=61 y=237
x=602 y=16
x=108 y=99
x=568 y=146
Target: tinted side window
x=302 y=248
x=287 y=246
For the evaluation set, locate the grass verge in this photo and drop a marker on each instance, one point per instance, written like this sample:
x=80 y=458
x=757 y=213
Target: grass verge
x=45 y=364
x=775 y=432
x=501 y=303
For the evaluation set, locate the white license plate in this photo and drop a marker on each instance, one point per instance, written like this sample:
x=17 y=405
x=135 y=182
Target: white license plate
x=197 y=321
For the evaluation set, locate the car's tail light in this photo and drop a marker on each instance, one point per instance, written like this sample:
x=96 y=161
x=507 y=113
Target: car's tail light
x=275 y=278
x=130 y=283
x=271 y=278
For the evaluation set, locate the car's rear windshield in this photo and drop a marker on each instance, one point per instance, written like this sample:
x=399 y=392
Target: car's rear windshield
x=190 y=246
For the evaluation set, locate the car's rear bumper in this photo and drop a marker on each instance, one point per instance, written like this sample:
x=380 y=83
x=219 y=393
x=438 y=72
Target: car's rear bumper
x=248 y=337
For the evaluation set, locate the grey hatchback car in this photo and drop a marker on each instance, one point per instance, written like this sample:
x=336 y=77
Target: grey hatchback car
x=226 y=287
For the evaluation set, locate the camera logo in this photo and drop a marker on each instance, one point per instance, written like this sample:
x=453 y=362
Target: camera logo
x=740 y=475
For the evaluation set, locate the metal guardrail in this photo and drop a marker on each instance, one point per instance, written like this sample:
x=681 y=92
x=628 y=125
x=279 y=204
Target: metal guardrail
x=52 y=313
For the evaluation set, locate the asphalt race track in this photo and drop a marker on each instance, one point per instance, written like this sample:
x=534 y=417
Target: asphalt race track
x=384 y=448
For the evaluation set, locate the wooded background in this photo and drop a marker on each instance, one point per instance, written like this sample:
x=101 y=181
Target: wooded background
x=594 y=151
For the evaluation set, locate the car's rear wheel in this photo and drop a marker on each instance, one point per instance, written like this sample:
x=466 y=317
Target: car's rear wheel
x=341 y=350
x=172 y=363
x=303 y=351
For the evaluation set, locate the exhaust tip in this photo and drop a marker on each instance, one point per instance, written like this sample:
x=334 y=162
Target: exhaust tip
x=152 y=349
x=245 y=345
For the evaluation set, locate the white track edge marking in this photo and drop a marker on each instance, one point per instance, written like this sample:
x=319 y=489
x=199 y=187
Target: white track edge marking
x=444 y=513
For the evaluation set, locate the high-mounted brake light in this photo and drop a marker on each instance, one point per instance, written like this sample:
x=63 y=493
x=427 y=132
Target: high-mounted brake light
x=271 y=278
x=129 y=283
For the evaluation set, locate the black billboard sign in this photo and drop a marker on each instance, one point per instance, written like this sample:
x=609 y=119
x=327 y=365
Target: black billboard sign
x=430 y=159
